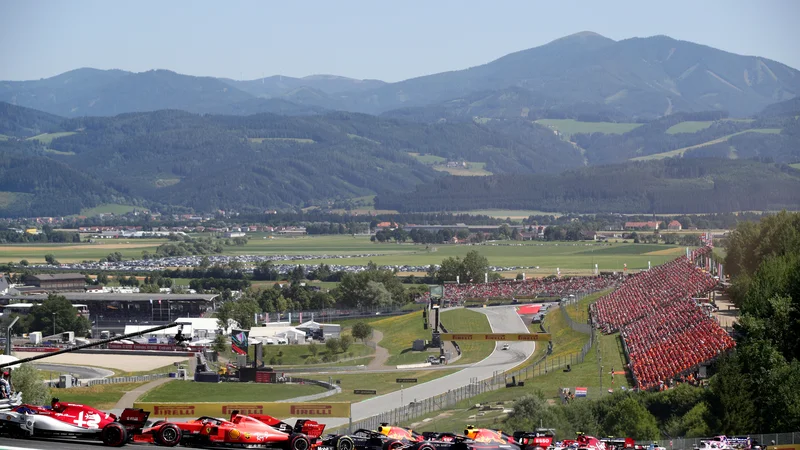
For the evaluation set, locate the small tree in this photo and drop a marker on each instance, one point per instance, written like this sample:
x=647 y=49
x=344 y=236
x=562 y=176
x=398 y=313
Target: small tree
x=220 y=344
x=345 y=342
x=23 y=262
x=362 y=330
x=313 y=348
x=332 y=345
x=50 y=259
x=28 y=380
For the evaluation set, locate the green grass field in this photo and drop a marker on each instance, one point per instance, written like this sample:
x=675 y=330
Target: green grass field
x=473 y=169
x=297 y=354
x=298 y=140
x=399 y=332
x=681 y=151
x=795 y=165
x=383 y=382
x=130 y=249
x=513 y=214
x=7 y=198
x=187 y=391
x=691 y=126
x=108 y=208
x=3 y=137
x=101 y=396
x=362 y=138
x=47 y=138
x=465 y=320
x=568 y=127
x=427 y=159
x=571 y=257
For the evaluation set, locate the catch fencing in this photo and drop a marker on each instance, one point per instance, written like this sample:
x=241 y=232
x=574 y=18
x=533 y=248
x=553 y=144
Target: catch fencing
x=543 y=365
x=136 y=379
x=761 y=439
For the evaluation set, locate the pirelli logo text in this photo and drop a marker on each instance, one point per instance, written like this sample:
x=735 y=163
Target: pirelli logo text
x=311 y=409
x=173 y=410
x=243 y=409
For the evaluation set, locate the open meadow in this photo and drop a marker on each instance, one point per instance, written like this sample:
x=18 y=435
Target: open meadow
x=570 y=257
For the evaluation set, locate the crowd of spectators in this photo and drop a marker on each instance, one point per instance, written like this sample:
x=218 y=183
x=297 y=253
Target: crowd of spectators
x=531 y=288
x=666 y=333
x=651 y=290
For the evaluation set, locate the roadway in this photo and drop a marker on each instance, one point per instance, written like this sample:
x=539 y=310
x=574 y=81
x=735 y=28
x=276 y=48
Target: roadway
x=503 y=319
x=82 y=372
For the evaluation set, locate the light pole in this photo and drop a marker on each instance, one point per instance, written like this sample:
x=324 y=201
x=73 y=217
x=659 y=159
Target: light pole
x=54 y=324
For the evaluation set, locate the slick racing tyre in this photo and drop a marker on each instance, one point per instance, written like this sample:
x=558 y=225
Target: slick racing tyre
x=345 y=443
x=299 y=442
x=392 y=445
x=425 y=446
x=169 y=435
x=114 y=435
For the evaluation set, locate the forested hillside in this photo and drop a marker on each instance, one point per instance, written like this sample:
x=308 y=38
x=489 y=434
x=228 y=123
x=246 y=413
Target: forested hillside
x=267 y=161
x=667 y=186
x=25 y=122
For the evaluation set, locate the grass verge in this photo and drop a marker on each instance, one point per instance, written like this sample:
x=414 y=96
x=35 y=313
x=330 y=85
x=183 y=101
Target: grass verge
x=101 y=396
x=187 y=391
x=384 y=382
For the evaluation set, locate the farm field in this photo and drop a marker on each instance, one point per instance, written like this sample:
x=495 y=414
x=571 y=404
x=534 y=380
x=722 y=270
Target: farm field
x=186 y=391
x=795 y=165
x=513 y=214
x=568 y=127
x=427 y=159
x=681 y=151
x=473 y=169
x=690 y=126
x=108 y=208
x=46 y=138
x=570 y=257
x=34 y=253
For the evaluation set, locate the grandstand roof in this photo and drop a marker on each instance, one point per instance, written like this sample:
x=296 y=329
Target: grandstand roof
x=113 y=297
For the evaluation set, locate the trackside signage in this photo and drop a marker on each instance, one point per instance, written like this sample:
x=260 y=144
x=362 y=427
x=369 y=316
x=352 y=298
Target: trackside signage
x=275 y=409
x=495 y=336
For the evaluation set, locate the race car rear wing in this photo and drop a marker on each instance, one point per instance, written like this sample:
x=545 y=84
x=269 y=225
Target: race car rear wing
x=133 y=419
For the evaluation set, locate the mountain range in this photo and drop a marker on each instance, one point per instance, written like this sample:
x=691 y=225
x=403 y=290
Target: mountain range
x=581 y=75
x=544 y=117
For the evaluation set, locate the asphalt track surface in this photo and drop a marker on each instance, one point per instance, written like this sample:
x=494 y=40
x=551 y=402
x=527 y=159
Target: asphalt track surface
x=503 y=319
x=82 y=372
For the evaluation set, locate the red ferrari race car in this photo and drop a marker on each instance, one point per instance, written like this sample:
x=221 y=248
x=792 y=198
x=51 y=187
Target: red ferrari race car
x=73 y=420
x=584 y=442
x=253 y=429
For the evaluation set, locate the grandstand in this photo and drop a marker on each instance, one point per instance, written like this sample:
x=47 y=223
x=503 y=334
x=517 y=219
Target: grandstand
x=456 y=294
x=113 y=311
x=666 y=333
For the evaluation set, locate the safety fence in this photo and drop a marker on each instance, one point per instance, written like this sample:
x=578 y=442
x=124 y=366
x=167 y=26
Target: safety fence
x=135 y=379
x=543 y=365
x=755 y=439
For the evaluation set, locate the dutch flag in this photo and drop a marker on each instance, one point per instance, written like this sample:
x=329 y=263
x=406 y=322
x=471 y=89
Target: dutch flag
x=580 y=392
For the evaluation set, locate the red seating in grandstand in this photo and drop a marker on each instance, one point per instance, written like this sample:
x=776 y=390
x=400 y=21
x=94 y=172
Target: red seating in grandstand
x=665 y=332
x=457 y=293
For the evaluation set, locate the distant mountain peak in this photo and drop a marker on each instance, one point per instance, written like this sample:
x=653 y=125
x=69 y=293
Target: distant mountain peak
x=582 y=35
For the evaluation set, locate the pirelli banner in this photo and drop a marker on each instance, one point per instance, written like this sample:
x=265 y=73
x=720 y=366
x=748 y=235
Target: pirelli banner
x=279 y=410
x=495 y=336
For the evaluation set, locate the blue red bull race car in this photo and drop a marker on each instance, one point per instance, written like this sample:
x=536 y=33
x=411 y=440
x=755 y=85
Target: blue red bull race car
x=389 y=437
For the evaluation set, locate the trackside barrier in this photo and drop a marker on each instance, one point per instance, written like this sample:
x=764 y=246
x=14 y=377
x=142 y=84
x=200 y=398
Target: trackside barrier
x=497 y=381
x=136 y=379
x=217 y=409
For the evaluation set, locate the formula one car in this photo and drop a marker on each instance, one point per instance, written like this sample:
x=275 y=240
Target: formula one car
x=398 y=438
x=253 y=429
x=386 y=438
x=73 y=420
x=583 y=442
x=541 y=439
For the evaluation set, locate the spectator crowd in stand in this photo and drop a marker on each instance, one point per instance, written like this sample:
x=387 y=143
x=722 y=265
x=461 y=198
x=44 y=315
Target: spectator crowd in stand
x=456 y=294
x=666 y=333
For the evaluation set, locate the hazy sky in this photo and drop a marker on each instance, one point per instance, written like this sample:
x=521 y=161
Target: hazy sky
x=361 y=39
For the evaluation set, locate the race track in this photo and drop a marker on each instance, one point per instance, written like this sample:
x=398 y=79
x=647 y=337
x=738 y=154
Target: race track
x=82 y=372
x=503 y=319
